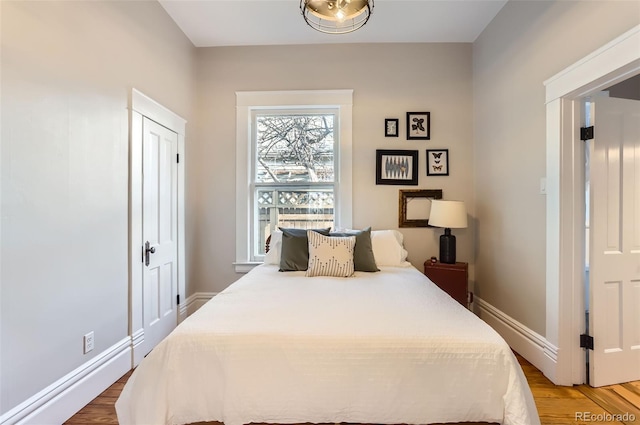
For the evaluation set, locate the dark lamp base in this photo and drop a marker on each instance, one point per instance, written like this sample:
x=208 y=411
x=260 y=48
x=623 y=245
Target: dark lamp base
x=447 y=247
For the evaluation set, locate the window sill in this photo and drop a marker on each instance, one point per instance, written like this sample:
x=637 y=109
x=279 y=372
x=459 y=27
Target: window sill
x=246 y=266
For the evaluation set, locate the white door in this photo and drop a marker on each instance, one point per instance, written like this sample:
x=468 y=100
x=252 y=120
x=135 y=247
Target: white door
x=159 y=230
x=615 y=242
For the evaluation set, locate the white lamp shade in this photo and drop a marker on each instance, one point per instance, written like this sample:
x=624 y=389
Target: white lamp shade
x=448 y=214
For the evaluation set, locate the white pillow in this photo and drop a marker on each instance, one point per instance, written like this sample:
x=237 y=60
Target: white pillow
x=330 y=255
x=388 y=247
x=275 y=247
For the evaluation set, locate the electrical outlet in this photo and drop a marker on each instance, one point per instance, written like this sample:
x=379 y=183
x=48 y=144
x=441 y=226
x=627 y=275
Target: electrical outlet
x=88 y=342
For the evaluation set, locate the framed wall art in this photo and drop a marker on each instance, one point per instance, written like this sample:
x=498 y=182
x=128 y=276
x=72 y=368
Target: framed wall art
x=437 y=162
x=391 y=127
x=418 y=125
x=397 y=167
x=415 y=207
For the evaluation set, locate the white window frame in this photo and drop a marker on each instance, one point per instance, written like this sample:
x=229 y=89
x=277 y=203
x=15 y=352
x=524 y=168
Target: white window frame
x=246 y=103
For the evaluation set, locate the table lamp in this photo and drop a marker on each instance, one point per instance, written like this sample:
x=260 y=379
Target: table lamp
x=450 y=215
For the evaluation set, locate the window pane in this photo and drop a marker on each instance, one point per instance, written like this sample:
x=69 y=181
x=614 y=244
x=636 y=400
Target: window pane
x=294 y=148
x=300 y=208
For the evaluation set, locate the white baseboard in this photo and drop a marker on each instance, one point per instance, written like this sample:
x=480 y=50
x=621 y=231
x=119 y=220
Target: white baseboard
x=529 y=344
x=137 y=347
x=62 y=399
x=193 y=303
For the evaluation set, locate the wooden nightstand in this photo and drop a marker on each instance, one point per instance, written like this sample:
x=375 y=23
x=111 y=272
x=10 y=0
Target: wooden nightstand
x=451 y=278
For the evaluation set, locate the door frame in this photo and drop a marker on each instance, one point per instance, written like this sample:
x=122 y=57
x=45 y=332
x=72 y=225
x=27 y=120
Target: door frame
x=614 y=62
x=142 y=106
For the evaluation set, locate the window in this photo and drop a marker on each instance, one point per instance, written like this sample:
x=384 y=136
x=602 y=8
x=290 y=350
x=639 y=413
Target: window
x=294 y=171
x=293 y=163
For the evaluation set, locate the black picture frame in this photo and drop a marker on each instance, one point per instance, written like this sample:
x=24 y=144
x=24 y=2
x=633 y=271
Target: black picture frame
x=406 y=196
x=437 y=162
x=418 y=125
x=397 y=167
x=391 y=127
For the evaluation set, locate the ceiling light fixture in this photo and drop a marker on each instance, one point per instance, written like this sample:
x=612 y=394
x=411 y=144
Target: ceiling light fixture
x=336 y=16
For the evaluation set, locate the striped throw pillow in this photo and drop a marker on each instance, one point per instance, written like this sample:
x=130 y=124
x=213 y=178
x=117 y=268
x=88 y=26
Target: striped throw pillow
x=330 y=256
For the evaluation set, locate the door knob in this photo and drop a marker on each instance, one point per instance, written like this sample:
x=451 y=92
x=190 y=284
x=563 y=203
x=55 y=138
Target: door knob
x=148 y=249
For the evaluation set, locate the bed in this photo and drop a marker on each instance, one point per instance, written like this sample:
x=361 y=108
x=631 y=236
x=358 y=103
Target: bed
x=388 y=347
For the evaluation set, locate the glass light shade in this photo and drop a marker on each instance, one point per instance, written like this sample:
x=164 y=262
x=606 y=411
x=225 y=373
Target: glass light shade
x=448 y=214
x=336 y=16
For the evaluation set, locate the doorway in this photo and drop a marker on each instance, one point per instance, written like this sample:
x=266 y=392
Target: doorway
x=156 y=269
x=616 y=61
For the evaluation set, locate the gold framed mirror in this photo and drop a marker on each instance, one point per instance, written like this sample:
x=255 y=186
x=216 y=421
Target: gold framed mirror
x=415 y=205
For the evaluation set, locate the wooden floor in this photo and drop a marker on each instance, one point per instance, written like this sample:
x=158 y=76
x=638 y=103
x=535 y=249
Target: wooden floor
x=556 y=405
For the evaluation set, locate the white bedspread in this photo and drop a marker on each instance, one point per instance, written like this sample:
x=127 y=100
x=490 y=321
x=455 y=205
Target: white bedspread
x=386 y=348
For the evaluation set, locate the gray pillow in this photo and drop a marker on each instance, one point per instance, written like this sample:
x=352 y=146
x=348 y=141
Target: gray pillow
x=294 y=254
x=363 y=259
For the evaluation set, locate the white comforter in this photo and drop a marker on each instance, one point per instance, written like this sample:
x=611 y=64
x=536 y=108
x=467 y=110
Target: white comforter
x=386 y=348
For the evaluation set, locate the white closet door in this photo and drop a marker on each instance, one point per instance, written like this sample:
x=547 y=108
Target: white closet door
x=159 y=229
x=615 y=242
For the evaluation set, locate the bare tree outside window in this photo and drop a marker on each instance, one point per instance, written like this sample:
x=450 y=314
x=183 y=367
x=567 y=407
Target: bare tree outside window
x=294 y=172
x=295 y=148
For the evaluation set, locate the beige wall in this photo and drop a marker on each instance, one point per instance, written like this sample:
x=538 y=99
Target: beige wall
x=388 y=80
x=528 y=42
x=67 y=71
